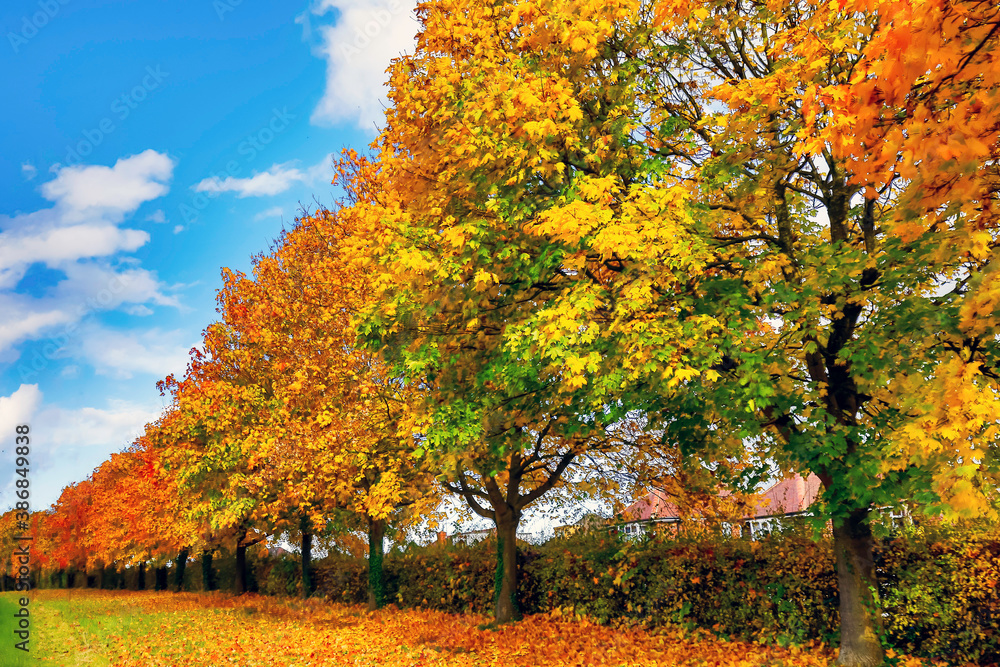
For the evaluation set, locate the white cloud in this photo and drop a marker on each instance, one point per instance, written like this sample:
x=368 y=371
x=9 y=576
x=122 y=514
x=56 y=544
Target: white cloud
x=121 y=188
x=28 y=170
x=89 y=203
x=358 y=48
x=100 y=286
x=62 y=245
x=23 y=319
x=273 y=212
x=178 y=229
x=121 y=354
x=275 y=180
x=19 y=408
x=67 y=444
x=322 y=171
x=157 y=216
x=80 y=235
x=109 y=429
x=56 y=318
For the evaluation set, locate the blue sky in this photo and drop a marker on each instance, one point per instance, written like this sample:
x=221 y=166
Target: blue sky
x=145 y=145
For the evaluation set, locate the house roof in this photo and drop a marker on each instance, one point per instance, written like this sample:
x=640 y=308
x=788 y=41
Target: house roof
x=789 y=496
x=654 y=505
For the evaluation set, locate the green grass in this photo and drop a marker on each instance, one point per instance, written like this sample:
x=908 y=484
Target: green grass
x=79 y=630
x=9 y=655
x=70 y=632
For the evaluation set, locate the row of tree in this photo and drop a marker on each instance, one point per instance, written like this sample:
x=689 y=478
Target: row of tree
x=693 y=239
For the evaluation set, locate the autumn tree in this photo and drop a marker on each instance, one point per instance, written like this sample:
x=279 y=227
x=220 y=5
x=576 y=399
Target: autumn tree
x=66 y=530
x=757 y=220
x=140 y=512
x=201 y=442
x=347 y=400
x=461 y=278
x=859 y=250
x=329 y=439
x=13 y=523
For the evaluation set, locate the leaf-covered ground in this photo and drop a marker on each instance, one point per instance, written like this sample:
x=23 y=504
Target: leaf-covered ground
x=127 y=629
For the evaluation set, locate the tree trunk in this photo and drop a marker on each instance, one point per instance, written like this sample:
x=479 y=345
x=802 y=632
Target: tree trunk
x=207 y=571
x=161 y=578
x=505 y=585
x=241 y=565
x=180 y=565
x=860 y=613
x=306 y=557
x=70 y=578
x=141 y=583
x=376 y=582
x=100 y=577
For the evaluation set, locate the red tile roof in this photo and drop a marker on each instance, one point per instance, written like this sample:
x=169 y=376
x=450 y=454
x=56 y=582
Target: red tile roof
x=788 y=496
x=653 y=505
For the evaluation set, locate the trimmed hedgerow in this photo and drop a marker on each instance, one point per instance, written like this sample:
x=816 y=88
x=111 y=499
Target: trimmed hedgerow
x=938 y=585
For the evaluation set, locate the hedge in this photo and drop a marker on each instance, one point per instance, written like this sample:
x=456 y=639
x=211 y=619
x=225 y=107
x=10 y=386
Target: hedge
x=938 y=586
x=259 y=568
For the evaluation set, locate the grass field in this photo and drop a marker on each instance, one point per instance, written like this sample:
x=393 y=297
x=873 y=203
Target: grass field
x=9 y=655
x=128 y=629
